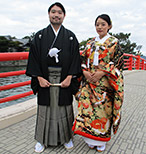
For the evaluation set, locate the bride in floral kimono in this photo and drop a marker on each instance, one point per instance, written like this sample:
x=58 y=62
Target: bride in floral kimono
x=100 y=95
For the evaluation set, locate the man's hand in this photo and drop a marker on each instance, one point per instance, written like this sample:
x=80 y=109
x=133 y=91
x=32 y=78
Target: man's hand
x=43 y=82
x=66 y=82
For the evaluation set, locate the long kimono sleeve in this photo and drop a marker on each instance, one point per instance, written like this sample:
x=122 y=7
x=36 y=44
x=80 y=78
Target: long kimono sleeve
x=75 y=67
x=33 y=66
x=114 y=74
x=84 y=58
x=115 y=67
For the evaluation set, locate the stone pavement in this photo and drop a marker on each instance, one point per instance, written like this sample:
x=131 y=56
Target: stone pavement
x=130 y=138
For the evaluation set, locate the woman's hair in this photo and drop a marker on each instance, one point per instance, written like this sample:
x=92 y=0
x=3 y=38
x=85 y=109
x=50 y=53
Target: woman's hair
x=104 y=17
x=59 y=5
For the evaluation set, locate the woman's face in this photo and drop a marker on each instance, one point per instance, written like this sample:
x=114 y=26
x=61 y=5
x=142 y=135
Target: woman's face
x=102 y=27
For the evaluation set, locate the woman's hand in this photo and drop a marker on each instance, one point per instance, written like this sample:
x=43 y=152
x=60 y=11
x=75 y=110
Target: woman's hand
x=66 y=82
x=87 y=75
x=43 y=82
x=96 y=76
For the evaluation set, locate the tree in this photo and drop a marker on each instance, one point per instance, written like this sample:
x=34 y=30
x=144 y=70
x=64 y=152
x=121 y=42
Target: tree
x=15 y=46
x=8 y=45
x=125 y=43
x=4 y=44
x=30 y=37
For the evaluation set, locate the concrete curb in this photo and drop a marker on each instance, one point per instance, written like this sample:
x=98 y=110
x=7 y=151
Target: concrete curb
x=16 y=113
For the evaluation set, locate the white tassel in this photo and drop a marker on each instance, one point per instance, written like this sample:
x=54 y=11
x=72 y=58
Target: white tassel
x=88 y=62
x=95 y=60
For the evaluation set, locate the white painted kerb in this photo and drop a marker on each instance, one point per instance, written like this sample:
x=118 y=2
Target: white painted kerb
x=16 y=113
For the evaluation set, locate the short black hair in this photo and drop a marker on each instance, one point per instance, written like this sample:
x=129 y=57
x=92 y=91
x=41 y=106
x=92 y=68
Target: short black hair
x=104 y=17
x=59 y=5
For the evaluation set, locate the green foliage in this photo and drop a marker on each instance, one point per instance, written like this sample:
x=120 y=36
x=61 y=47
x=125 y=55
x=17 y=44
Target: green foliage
x=125 y=43
x=8 y=45
x=30 y=37
x=3 y=44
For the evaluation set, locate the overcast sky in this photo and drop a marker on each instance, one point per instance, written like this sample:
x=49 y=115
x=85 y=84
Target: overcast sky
x=20 y=18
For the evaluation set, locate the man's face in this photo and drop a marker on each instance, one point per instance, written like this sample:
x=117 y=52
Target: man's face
x=56 y=15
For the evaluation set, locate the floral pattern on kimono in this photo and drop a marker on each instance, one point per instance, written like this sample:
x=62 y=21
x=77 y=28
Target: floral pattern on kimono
x=99 y=104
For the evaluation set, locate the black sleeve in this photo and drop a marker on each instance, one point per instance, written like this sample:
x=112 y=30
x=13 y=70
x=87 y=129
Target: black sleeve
x=75 y=67
x=33 y=66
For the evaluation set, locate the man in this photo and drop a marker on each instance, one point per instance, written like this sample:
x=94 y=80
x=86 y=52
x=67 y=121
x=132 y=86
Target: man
x=53 y=64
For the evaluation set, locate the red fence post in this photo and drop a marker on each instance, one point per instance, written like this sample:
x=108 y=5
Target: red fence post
x=138 y=62
x=142 y=64
x=130 y=63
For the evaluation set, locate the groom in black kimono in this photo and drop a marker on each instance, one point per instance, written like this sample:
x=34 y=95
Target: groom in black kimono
x=54 y=65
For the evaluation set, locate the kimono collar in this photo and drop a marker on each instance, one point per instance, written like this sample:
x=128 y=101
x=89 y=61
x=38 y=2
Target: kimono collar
x=103 y=39
x=53 y=52
x=56 y=33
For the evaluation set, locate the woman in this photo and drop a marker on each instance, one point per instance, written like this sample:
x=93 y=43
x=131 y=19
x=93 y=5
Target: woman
x=100 y=95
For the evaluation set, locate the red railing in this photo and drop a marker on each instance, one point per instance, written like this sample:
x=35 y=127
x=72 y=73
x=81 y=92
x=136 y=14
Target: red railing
x=11 y=57
x=134 y=62
x=130 y=62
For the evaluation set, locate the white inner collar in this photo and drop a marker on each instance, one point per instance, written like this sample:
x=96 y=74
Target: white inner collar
x=56 y=33
x=103 y=39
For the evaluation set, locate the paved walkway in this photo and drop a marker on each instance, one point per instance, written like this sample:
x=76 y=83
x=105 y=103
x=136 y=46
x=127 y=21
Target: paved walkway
x=130 y=139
